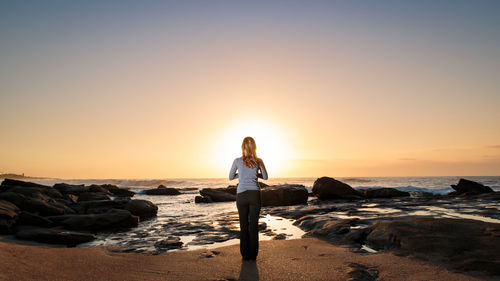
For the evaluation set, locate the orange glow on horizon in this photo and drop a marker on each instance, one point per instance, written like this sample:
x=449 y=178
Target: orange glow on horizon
x=169 y=89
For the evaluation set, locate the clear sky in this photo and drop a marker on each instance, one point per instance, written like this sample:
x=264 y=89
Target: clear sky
x=156 y=89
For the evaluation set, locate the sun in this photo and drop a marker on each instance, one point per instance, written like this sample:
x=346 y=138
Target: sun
x=271 y=145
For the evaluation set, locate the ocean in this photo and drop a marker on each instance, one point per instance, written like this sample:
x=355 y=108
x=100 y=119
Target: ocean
x=437 y=185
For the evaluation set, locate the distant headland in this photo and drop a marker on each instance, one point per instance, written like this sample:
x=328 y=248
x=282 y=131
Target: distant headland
x=19 y=176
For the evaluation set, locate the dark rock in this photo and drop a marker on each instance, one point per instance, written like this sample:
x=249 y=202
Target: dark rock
x=162 y=190
x=329 y=188
x=331 y=229
x=202 y=199
x=11 y=182
x=109 y=186
x=470 y=187
x=356 y=237
x=113 y=219
x=98 y=210
x=169 y=243
x=122 y=192
x=27 y=218
x=44 y=205
x=212 y=237
x=142 y=208
x=384 y=193
x=83 y=206
x=92 y=196
x=231 y=189
x=218 y=194
x=45 y=208
x=458 y=243
x=66 y=200
x=284 y=195
x=29 y=191
x=15 y=198
x=39 y=203
x=311 y=222
x=8 y=216
x=276 y=195
x=117 y=191
x=54 y=236
x=188 y=189
x=262 y=226
x=98 y=188
x=281 y=236
x=338 y=231
x=65 y=188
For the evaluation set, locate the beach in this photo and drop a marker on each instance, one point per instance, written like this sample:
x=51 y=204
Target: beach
x=298 y=259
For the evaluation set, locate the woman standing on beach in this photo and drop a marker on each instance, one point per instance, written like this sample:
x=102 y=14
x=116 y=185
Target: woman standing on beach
x=248 y=199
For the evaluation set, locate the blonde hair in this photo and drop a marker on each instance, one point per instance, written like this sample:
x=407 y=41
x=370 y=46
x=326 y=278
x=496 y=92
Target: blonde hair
x=249 y=152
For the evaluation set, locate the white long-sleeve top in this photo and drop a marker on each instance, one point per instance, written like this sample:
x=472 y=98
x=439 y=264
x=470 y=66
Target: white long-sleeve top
x=247 y=176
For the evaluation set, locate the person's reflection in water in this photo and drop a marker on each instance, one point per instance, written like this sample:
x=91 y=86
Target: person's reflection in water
x=249 y=271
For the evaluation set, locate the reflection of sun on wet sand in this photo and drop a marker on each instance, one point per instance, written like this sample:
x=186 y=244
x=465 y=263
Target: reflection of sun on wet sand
x=300 y=259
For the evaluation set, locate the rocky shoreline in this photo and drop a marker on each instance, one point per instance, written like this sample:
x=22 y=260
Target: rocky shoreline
x=431 y=227
x=459 y=230
x=68 y=214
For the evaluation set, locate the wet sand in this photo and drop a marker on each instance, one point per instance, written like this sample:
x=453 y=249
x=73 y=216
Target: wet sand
x=299 y=259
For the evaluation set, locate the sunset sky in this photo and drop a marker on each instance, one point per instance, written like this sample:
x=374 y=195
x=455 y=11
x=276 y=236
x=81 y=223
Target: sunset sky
x=168 y=89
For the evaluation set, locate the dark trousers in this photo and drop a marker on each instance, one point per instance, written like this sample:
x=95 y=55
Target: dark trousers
x=248 y=204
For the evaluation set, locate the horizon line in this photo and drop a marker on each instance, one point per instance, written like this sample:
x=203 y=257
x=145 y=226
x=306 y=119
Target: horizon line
x=218 y=178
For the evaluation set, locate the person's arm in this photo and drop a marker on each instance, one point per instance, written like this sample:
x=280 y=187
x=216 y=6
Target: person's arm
x=263 y=171
x=232 y=173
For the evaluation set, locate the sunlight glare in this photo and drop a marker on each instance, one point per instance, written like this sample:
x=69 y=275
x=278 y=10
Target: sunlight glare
x=271 y=145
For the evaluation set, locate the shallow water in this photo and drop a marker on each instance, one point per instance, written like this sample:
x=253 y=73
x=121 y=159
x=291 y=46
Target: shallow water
x=197 y=225
x=450 y=213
